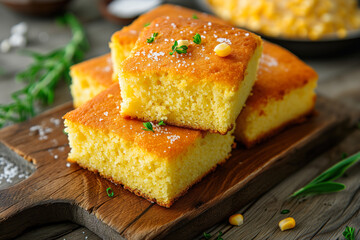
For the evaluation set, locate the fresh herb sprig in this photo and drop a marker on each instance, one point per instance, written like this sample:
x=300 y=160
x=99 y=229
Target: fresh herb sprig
x=42 y=76
x=152 y=38
x=324 y=183
x=207 y=235
x=178 y=49
x=148 y=126
x=161 y=123
x=110 y=192
x=349 y=233
x=197 y=39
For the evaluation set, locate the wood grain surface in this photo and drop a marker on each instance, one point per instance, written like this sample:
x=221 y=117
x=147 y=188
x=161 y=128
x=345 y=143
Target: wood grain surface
x=55 y=192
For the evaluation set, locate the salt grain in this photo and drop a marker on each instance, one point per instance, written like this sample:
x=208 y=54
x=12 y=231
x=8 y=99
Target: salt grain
x=8 y=171
x=41 y=131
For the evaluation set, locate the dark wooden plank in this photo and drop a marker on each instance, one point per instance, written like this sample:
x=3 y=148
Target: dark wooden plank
x=50 y=231
x=56 y=192
x=319 y=217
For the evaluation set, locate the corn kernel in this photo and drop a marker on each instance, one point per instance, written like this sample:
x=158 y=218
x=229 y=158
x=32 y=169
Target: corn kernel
x=222 y=50
x=236 y=219
x=183 y=42
x=287 y=223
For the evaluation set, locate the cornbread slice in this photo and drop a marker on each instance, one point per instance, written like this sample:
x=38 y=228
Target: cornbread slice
x=280 y=77
x=123 y=41
x=90 y=78
x=159 y=166
x=283 y=94
x=197 y=89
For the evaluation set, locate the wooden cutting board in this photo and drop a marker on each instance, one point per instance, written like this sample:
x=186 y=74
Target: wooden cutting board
x=56 y=192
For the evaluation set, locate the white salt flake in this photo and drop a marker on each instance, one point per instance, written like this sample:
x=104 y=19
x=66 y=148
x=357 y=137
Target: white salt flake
x=41 y=131
x=55 y=121
x=9 y=170
x=225 y=40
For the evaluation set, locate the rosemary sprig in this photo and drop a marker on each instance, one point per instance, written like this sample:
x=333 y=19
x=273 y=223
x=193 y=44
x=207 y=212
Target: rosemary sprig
x=324 y=183
x=42 y=76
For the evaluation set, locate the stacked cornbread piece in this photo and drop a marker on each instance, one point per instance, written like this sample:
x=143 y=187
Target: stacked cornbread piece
x=190 y=100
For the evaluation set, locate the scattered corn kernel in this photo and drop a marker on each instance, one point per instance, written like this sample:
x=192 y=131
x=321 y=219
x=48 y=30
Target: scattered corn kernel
x=222 y=50
x=287 y=223
x=183 y=42
x=236 y=219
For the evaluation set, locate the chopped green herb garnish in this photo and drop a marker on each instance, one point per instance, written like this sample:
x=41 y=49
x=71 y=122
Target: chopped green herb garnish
x=219 y=237
x=146 y=24
x=179 y=50
x=161 y=123
x=152 y=38
x=197 y=38
x=195 y=16
x=285 y=211
x=110 y=192
x=65 y=131
x=324 y=183
x=43 y=75
x=207 y=235
x=349 y=233
x=148 y=126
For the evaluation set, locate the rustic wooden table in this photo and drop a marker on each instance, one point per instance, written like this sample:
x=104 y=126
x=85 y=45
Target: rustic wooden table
x=321 y=217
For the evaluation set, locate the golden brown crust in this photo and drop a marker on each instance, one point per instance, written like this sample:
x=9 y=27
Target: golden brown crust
x=147 y=197
x=131 y=33
x=250 y=143
x=200 y=63
x=103 y=113
x=98 y=69
x=279 y=72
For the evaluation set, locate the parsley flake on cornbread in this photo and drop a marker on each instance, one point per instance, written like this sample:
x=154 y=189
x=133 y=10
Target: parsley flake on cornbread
x=190 y=87
x=124 y=40
x=159 y=165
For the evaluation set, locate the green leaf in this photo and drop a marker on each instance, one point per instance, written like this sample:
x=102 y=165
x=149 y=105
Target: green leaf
x=152 y=38
x=219 y=237
x=337 y=170
x=319 y=188
x=197 y=38
x=349 y=233
x=161 y=123
x=207 y=235
x=110 y=192
x=147 y=24
x=195 y=16
x=285 y=211
x=148 y=126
